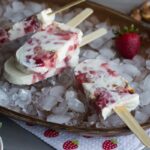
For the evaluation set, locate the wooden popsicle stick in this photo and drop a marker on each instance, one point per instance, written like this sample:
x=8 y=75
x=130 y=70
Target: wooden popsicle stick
x=80 y=17
x=133 y=125
x=93 y=36
x=67 y=7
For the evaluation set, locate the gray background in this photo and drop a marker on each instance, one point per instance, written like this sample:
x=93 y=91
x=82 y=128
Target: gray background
x=16 y=138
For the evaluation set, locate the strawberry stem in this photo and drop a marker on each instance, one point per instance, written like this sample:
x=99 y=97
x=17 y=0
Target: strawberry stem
x=114 y=141
x=130 y=29
x=75 y=142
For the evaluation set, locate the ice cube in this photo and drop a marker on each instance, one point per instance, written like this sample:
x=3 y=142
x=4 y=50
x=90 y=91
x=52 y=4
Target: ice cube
x=146 y=83
x=117 y=61
x=146 y=109
x=66 y=78
x=12 y=91
x=61 y=109
x=101 y=57
x=109 y=35
x=48 y=102
x=33 y=89
x=131 y=70
x=52 y=81
x=148 y=64
x=24 y=94
x=88 y=31
x=142 y=76
x=17 y=17
x=107 y=52
x=60 y=119
x=68 y=17
x=102 y=25
x=8 y=12
x=139 y=61
x=88 y=25
x=109 y=43
x=59 y=18
x=27 y=12
x=76 y=105
x=31 y=110
x=145 y=98
x=57 y=91
x=90 y=54
x=17 y=6
x=45 y=91
x=5 y=86
x=4 y=99
x=34 y=7
x=115 y=121
x=70 y=94
x=94 y=20
x=141 y=117
x=128 y=61
x=96 y=44
x=23 y=98
x=82 y=27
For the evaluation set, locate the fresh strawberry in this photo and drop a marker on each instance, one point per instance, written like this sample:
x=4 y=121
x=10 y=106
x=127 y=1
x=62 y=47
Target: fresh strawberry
x=70 y=145
x=109 y=145
x=51 y=133
x=128 y=42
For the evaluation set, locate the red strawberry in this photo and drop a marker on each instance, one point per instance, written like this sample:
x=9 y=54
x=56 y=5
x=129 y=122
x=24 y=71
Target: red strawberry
x=70 y=145
x=109 y=145
x=51 y=133
x=128 y=42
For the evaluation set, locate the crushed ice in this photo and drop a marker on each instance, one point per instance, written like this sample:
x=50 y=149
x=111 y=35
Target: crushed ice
x=56 y=100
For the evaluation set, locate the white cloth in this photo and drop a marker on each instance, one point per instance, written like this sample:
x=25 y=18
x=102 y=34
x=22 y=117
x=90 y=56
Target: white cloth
x=57 y=140
x=1 y=144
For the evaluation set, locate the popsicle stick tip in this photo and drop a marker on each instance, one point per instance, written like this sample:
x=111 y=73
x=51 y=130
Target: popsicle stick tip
x=89 y=9
x=80 y=17
x=67 y=6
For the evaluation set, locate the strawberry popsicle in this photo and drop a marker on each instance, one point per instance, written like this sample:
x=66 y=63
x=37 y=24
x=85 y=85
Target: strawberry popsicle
x=104 y=88
x=47 y=48
x=29 y=25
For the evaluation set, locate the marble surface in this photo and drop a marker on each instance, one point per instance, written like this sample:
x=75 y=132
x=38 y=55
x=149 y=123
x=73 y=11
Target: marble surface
x=25 y=140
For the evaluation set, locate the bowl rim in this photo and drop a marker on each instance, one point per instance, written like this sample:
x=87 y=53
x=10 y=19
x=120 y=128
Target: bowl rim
x=76 y=129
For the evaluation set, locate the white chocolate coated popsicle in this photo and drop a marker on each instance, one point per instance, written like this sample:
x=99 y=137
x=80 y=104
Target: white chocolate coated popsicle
x=104 y=87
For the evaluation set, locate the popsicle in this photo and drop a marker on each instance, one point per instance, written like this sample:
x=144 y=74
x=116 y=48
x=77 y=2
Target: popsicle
x=13 y=75
x=32 y=24
x=108 y=92
x=45 y=49
x=104 y=87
